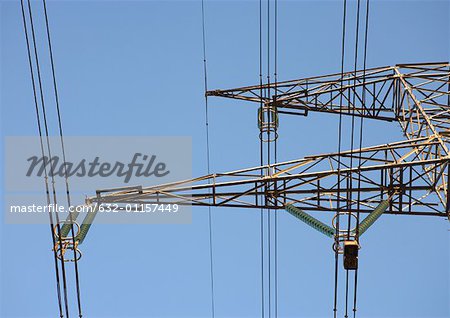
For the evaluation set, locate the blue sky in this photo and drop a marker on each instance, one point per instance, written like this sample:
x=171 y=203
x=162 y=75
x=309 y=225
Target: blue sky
x=130 y=68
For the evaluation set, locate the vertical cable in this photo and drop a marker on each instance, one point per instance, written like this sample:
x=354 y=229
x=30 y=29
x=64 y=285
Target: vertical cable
x=351 y=149
x=47 y=190
x=339 y=162
x=77 y=280
x=360 y=144
x=269 y=212
x=50 y=156
x=276 y=156
x=211 y=266
x=261 y=161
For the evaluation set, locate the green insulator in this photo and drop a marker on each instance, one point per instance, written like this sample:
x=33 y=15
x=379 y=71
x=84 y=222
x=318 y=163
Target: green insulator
x=66 y=228
x=311 y=221
x=86 y=225
x=373 y=216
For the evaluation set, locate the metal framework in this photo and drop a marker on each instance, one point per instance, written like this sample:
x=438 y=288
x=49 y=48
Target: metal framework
x=413 y=173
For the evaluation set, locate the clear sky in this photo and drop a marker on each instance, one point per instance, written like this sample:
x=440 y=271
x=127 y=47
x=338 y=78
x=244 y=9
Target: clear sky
x=135 y=69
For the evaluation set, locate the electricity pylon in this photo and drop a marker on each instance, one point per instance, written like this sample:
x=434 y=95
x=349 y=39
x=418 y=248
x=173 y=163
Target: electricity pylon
x=412 y=174
x=407 y=177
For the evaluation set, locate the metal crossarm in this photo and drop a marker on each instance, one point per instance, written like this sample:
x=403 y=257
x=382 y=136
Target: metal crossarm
x=413 y=172
x=417 y=182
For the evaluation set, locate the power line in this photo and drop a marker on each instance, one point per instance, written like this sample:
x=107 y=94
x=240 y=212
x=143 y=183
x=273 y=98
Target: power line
x=350 y=193
x=269 y=212
x=66 y=179
x=36 y=56
x=363 y=97
x=50 y=156
x=47 y=190
x=261 y=161
x=211 y=266
x=339 y=162
x=276 y=153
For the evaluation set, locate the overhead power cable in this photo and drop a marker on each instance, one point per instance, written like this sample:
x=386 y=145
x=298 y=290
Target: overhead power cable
x=47 y=139
x=66 y=179
x=49 y=152
x=363 y=97
x=276 y=156
x=261 y=154
x=210 y=232
x=47 y=189
x=352 y=137
x=338 y=210
x=269 y=211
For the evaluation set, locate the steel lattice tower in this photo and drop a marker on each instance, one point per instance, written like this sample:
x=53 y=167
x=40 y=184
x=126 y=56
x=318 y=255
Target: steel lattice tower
x=412 y=174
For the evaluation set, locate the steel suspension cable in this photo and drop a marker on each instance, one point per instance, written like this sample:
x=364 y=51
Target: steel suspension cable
x=363 y=97
x=47 y=190
x=261 y=161
x=210 y=232
x=351 y=149
x=276 y=155
x=47 y=138
x=339 y=161
x=269 y=212
x=66 y=179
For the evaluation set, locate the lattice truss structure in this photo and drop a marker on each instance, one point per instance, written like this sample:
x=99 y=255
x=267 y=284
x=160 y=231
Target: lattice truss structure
x=413 y=174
